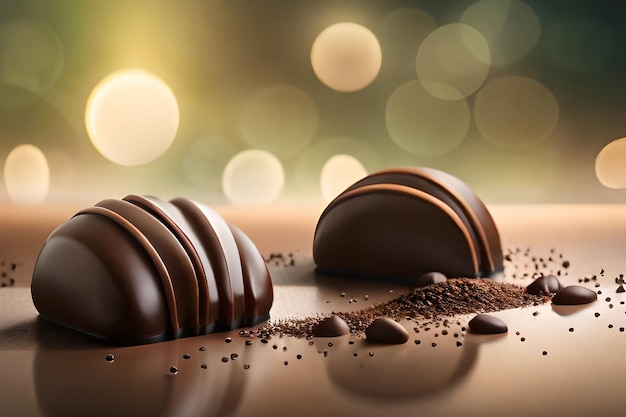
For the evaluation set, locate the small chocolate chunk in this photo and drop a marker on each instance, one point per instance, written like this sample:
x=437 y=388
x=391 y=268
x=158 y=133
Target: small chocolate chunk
x=332 y=326
x=546 y=285
x=574 y=295
x=385 y=330
x=487 y=324
x=430 y=278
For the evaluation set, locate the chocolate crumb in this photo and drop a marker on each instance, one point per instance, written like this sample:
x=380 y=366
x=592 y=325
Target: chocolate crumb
x=186 y=356
x=174 y=370
x=224 y=359
x=455 y=296
x=110 y=357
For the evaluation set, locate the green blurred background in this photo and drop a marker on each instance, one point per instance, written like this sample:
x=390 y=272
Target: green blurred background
x=216 y=56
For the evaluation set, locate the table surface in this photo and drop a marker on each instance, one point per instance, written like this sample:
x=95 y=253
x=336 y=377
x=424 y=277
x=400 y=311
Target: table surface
x=49 y=371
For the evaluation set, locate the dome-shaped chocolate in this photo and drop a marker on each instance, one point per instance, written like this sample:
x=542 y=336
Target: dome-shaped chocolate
x=404 y=222
x=142 y=270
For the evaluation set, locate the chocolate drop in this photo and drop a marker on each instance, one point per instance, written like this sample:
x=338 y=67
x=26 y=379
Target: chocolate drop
x=430 y=278
x=574 y=295
x=332 y=326
x=386 y=330
x=487 y=324
x=546 y=285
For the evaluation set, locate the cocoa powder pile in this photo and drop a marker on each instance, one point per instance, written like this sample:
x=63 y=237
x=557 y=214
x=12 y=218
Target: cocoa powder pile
x=433 y=303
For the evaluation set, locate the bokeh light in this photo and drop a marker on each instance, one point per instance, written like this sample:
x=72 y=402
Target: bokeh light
x=511 y=27
x=132 y=117
x=421 y=124
x=580 y=44
x=26 y=175
x=280 y=119
x=402 y=33
x=205 y=160
x=338 y=173
x=453 y=61
x=611 y=164
x=31 y=58
x=515 y=113
x=253 y=177
x=346 y=56
x=310 y=162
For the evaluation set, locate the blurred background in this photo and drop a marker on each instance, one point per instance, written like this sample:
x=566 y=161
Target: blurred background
x=287 y=102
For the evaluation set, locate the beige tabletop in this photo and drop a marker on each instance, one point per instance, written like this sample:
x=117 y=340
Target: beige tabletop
x=560 y=362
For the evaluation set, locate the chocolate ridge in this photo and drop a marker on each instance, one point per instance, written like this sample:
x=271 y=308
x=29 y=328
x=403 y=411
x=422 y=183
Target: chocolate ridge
x=166 y=280
x=258 y=293
x=204 y=293
x=179 y=266
x=324 y=252
x=212 y=239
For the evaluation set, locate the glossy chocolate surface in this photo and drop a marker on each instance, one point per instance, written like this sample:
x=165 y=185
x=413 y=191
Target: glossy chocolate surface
x=141 y=270
x=406 y=222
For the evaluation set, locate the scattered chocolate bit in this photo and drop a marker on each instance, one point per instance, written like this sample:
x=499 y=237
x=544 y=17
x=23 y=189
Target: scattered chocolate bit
x=544 y=353
x=574 y=295
x=248 y=342
x=487 y=324
x=174 y=370
x=233 y=356
x=565 y=264
x=430 y=278
x=459 y=344
x=246 y=366
x=204 y=366
x=456 y=296
x=109 y=357
x=544 y=285
x=620 y=289
x=417 y=341
x=332 y=326
x=386 y=330
x=201 y=348
x=286 y=363
x=298 y=356
x=186 y=356
x=228 y=340
x=371 y=354
x=571 y=329
x=597 y=314
x=225 y=359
